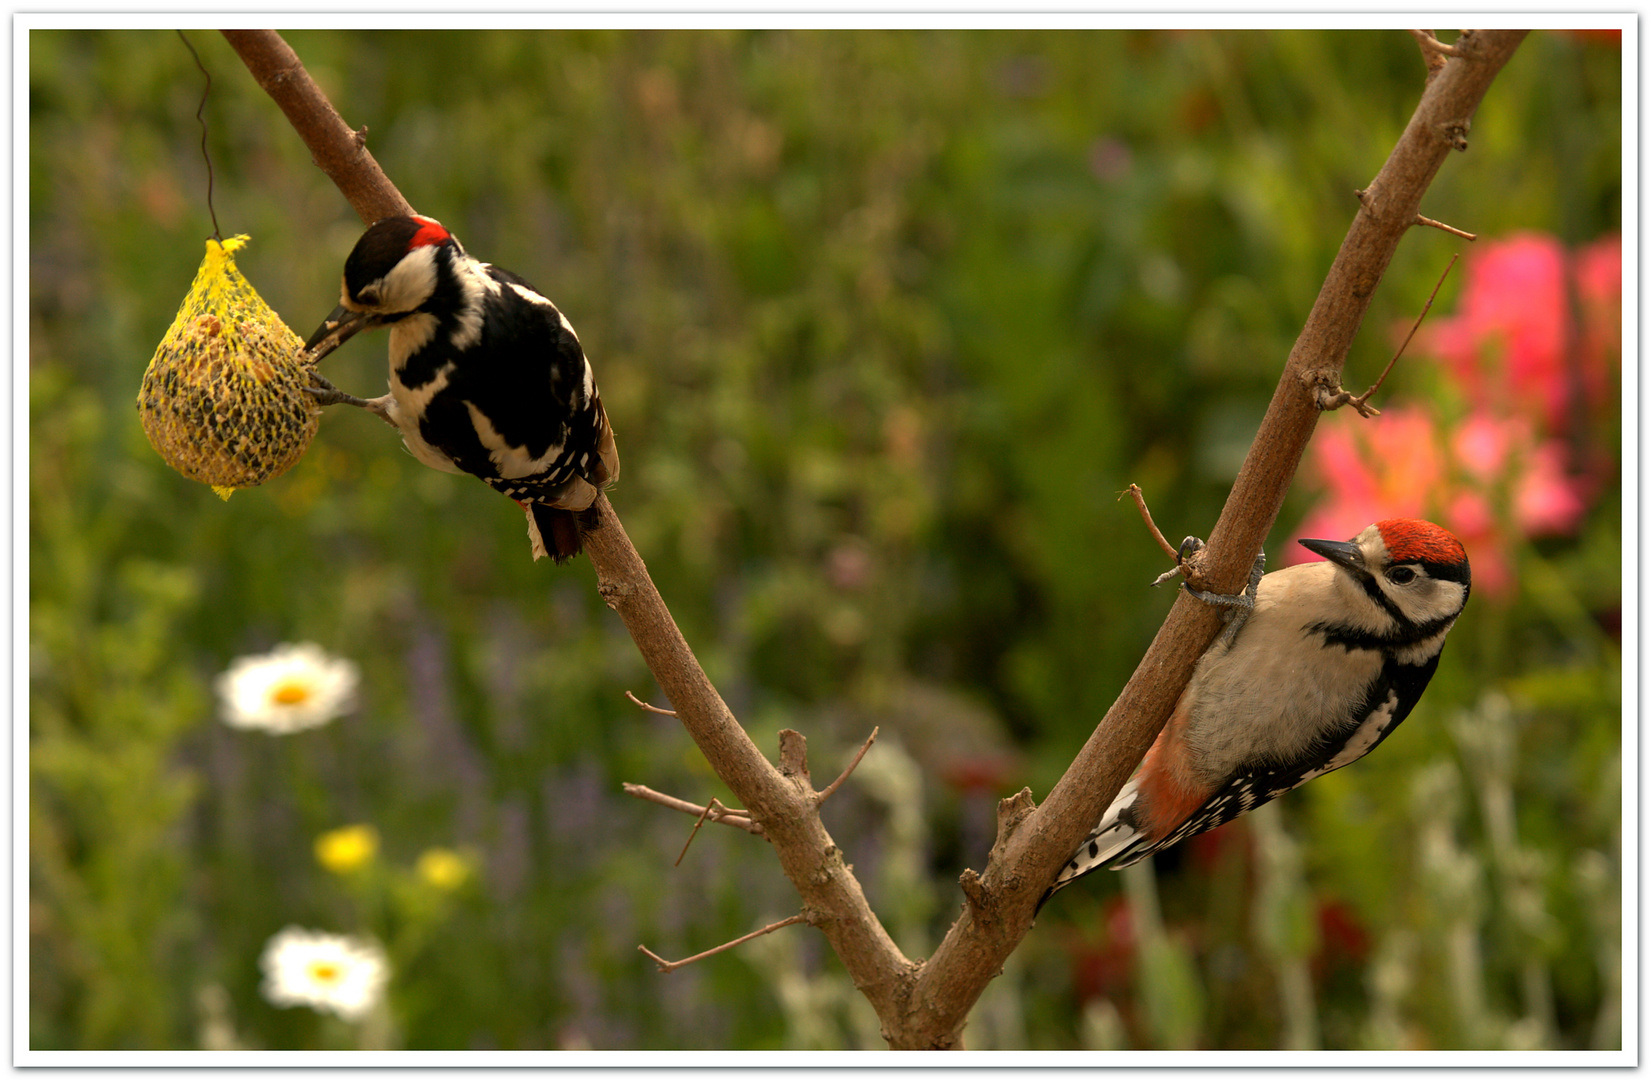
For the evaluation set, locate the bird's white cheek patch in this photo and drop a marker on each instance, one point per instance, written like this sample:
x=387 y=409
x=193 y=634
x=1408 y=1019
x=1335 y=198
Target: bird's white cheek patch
x=410 y=282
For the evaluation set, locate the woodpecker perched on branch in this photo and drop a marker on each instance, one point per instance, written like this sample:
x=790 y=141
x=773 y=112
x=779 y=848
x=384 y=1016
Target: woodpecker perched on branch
x=1325 y=660
x=486 y=376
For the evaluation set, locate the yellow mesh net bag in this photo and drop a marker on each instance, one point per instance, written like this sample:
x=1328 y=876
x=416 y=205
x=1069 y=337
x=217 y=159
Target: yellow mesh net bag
x=223 y=400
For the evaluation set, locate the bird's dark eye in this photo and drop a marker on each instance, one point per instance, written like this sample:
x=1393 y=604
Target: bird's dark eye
x=1401 y=575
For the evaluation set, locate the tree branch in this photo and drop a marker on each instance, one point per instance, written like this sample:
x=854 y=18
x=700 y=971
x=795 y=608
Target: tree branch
x=785 y=810
x=783 y=806
x=339 y=152
x=974 y=950
x=925 y=1006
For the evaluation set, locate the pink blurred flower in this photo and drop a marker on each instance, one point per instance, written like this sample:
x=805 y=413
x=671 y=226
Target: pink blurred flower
x=1545 y=501
x=1598 y=270
x=1507 y=342
x=1470 y=516
x=1528 y=370
x=1513 y=344
x=1487 y=481
x=1384 y=467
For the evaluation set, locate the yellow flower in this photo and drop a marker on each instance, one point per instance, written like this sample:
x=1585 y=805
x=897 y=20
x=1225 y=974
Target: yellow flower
x=443 y=868
x=348 y=849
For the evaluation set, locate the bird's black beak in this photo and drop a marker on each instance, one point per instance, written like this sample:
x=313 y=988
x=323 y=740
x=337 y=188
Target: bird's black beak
x=339 y=327
x=1343 y=553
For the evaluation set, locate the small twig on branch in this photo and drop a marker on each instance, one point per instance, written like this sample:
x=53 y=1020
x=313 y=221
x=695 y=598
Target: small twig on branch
x=733 y=814
x=1134 y=492
x=639 y=703
x=1194 y=578
x=686 y=844
x=668 y=966
x=1451 y=229
x=1432 y=46
x=1434 y=52
x=824 y=794
x=1361 y=402
x=713 y=811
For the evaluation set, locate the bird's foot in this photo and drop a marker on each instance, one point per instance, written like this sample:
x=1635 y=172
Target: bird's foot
x=325 y=393
x=1238 y=607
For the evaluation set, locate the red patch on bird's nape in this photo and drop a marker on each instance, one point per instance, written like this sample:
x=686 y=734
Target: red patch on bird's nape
x=430 y=231
x=1409 y=540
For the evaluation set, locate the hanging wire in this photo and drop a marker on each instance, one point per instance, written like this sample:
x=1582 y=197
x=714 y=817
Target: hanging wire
x=216 y=235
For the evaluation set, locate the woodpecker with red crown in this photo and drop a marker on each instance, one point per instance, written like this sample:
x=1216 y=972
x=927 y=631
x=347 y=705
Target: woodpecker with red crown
x=486 y=375
x=1319 y=663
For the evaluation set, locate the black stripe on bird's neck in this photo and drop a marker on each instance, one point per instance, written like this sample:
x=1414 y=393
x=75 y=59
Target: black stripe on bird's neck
x=448 y=299
x=1404 y=634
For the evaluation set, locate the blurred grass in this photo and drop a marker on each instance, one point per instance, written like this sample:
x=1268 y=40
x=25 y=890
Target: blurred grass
x=885 y=321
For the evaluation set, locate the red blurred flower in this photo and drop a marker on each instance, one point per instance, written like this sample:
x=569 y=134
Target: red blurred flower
x=1343 y=940
x=1207 y=849
x=978 y=774
x=1106 y=969
x=1598 y=37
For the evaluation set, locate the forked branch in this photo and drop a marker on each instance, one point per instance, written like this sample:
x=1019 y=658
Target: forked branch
x=924 y=1007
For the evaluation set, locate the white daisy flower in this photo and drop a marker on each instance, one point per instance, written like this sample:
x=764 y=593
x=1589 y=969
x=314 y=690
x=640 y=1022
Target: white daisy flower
x=328 y=972
x=291 y=688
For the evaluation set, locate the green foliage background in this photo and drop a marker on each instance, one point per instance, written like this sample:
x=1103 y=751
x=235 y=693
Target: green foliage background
x=884 y=322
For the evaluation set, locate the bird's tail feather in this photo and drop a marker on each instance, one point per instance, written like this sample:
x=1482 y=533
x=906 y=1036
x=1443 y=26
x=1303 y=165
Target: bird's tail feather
x=558 y=533
x=1114 y=838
